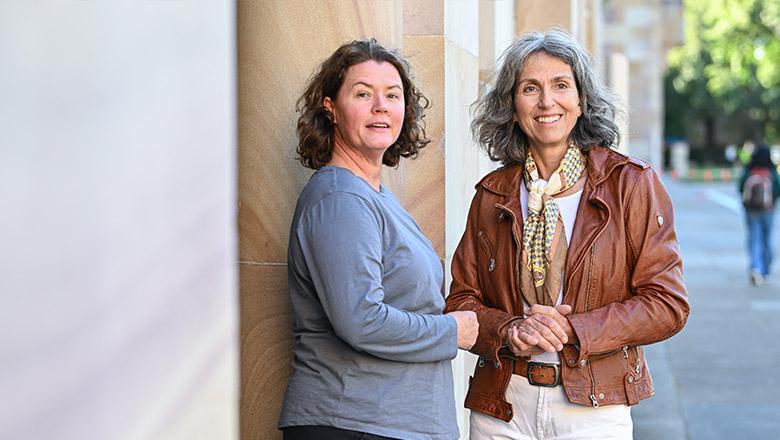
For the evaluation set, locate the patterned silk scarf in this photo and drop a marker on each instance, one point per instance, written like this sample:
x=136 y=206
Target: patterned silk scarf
x=544 y=239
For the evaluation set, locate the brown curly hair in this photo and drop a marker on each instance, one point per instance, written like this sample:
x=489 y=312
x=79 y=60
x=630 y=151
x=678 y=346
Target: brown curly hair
x=315 y=124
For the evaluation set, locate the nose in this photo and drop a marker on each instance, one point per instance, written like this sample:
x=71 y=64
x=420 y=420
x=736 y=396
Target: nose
x=380 y=104
x=545 y=99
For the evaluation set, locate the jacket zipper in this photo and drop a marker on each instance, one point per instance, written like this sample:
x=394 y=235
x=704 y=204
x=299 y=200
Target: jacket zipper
x=593 y=400
x=486 y=246
x=638 y=366
x=590 y=243
x=590 y=275
x=518 y=249
x=625 y=357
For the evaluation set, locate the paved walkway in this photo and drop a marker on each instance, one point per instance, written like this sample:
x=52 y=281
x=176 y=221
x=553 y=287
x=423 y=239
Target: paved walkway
x=718 y=378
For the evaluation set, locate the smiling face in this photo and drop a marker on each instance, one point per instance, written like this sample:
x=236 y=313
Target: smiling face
x=368 y=111
x=547 y=102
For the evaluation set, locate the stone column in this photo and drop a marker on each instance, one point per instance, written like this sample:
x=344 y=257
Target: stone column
x=643 y=32
x=619 y=82
x=539 y=15
x=442 y=44
x=280 y=43
x=592 y=28
x=496 y=31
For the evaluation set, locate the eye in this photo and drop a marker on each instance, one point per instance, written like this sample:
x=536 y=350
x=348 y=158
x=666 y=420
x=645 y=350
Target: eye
x=529 y=89
x=362 y=94
x=562 y=86
x=393 y=96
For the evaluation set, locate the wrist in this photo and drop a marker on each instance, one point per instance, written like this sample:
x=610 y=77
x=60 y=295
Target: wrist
x=506 y=331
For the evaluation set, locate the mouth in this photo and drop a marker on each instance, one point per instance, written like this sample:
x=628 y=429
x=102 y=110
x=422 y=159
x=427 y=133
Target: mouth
x=378 y=125
x=547 y=119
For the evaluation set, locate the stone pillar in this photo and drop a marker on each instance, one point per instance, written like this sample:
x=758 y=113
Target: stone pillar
x=678 y=156
x=592 y=35
x=619 y=82
x=496 y=32
x=419 y=183
x=442 y=44
x=539 y=15
x=643 y=32
x=280 y=43
x=462 y=159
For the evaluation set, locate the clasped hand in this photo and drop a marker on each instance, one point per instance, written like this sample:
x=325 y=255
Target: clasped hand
x=545 y=329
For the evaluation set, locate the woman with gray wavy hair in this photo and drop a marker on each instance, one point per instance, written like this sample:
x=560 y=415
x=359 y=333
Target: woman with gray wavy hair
x=569 y=258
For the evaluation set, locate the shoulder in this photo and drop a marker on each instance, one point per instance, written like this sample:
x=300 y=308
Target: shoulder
x=336 y=183
x=610 y=164
x=621 y=156
x=628 y=181
x=337 y=196
x=501 y=180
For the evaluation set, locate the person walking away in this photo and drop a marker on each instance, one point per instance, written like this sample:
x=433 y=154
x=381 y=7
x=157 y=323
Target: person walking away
x=760 y=189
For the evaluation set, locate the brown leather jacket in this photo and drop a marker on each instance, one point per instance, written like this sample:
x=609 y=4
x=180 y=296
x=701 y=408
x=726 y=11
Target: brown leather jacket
x=623 y=279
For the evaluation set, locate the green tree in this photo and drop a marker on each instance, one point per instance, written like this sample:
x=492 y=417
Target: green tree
x=729 y=67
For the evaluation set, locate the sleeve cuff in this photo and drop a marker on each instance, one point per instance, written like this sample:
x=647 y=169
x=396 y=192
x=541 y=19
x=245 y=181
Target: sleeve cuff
x=492 y=334
x=580 y=355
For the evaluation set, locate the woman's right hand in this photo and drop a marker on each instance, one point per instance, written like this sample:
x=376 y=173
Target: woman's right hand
x=521 y=343
x=536 y=334
x=468 y=328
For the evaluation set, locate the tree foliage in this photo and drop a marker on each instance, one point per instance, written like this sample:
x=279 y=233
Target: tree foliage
x=729 y=66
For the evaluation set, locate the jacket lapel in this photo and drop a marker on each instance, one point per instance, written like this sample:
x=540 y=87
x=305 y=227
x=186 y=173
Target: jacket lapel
x=593 y=213
x=592 y=218
x=511 y=206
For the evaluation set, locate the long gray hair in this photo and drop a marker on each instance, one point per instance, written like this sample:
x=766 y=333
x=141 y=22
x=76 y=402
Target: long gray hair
x=494 y=128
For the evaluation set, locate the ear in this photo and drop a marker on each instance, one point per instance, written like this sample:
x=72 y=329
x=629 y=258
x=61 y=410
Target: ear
x=328 y=104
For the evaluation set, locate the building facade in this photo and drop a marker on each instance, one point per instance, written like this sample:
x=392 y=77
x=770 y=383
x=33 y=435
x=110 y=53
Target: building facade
x=452 y=45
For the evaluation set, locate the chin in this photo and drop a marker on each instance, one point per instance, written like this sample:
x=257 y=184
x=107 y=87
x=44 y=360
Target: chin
x=384 y=145
x=549 y=143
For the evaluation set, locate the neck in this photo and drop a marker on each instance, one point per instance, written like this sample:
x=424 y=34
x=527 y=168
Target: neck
x=548 y=159
x=367 y=168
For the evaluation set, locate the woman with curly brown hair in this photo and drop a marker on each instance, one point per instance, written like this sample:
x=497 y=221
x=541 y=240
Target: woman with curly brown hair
x=372 y=348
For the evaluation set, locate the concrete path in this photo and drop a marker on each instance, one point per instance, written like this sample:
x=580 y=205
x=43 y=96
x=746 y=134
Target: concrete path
x=718 y=378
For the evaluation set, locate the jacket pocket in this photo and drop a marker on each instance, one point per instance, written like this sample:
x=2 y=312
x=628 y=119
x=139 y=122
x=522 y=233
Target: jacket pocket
x=488 y=250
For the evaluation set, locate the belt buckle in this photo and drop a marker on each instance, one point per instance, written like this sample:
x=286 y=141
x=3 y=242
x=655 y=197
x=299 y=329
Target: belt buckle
x=556 y=371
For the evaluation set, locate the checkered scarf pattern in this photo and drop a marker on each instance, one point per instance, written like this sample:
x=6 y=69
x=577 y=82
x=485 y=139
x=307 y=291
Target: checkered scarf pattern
x=543 y=212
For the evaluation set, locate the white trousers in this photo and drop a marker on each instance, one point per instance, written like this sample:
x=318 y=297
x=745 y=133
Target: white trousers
x=546 y=413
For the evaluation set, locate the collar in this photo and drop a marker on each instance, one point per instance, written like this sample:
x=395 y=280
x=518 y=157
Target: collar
x=602 y=161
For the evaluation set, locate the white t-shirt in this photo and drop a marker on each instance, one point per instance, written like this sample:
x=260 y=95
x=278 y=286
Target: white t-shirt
x=568 y=206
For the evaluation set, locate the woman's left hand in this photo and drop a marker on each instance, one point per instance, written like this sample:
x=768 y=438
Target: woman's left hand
x=557 y=313
x=521 y=343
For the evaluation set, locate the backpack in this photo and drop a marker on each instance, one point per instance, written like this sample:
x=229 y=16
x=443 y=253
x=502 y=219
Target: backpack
x=757 y=191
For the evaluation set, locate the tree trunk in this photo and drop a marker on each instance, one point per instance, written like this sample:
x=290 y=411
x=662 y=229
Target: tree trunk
x=709 y=136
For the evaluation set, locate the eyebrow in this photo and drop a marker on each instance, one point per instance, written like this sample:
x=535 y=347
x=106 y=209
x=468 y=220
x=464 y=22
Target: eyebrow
x=557 y=78
x=370 y=86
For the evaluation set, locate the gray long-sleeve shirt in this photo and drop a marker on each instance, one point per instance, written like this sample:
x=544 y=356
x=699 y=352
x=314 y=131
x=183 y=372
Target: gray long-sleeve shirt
x=372 y=349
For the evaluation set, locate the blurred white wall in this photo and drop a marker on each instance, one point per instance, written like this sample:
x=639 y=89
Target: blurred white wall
x=118 y=285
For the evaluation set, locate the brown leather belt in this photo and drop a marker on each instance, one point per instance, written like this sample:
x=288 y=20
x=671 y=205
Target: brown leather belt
x=538 y=373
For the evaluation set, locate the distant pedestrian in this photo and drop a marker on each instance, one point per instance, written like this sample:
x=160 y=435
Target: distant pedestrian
x=760 y=188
